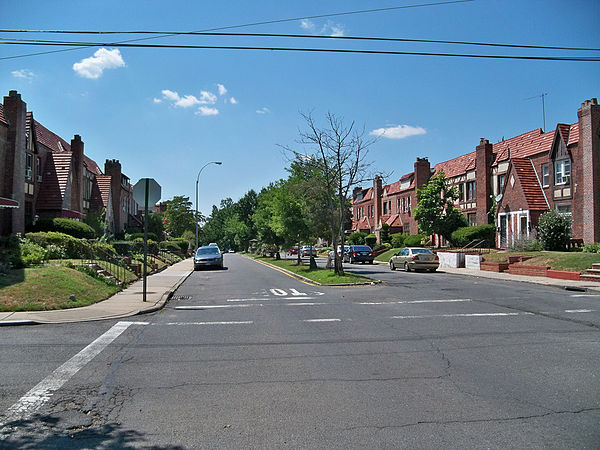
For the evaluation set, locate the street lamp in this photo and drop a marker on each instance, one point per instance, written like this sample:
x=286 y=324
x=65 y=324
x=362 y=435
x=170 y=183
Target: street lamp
x=198 y=178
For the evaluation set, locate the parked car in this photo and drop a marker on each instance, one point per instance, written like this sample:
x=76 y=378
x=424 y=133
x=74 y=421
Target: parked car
x=415 y=258
x=359 y=253
x=208 y=256
x=346 y=250
x=308 y=250
x=293 y=250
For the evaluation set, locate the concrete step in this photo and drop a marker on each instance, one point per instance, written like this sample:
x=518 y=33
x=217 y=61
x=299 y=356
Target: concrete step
x=588 y=277
x=592 y=271
x=596 y=266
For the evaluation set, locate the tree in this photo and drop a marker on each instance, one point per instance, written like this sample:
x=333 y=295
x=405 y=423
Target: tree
x=178 y=216
x=97 y=220
x=435 y=211
x=339 y=151
x=554 y=230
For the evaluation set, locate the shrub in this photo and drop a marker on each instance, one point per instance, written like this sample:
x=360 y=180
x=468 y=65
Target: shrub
x=413 y=240
x=385 y=233
x=398 y=240
x=152 y=246
x=170 y=246
x=124 y=248
x=384 y=246
x=371 y=240
x=134 y=236
x=31 y=253
x=66 y=226
x=554 y=230
x=357 y=238
x=526 y=244
x=73 y=247
x=465 y=235
x=54 y=251
x=10 y=252
x=592 y=248
x=103 y=249
x=182 y=243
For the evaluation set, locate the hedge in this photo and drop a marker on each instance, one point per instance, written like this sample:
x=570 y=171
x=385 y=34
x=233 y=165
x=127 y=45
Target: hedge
x=465 y=235
x=170 y=246
x=67 y=226
x=413 y=240
x=73 y=247
x=357 y=238
x=398 y=240
x=371 y=240
x=134 y=236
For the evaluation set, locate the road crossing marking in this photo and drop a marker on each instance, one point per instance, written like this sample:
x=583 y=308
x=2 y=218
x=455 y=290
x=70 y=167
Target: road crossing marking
x=463 y=315
x=578 y=310
x=322 y=320
x=306 y=304
x=216 y=306
x=403 y=302
x=266 y=299
x=239 y=322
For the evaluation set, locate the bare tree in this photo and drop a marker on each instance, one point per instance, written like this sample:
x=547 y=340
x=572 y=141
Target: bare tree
x=340 y=151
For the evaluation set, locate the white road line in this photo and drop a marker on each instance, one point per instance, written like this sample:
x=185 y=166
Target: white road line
x=578 y=310
x=322 y=320
x=266 y=299
x=402 y=302
x=462 y=315
x=241 y=322
x=216 y=306
x=305 y=304
x=585 y=295
x=42 y=392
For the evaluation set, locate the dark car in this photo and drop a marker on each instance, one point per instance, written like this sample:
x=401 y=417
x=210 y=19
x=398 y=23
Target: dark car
x=359 y=253
x=208 y=256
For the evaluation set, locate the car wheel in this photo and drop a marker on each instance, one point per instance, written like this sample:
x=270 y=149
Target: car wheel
x=406 y=268
x=392 y=266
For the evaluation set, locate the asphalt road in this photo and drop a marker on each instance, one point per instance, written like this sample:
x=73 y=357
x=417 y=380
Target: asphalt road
x=249 y=357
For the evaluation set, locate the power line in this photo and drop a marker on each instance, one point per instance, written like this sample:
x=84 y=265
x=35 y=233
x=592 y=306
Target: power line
x=301 y=36
x=316 y=50
x=267 y=22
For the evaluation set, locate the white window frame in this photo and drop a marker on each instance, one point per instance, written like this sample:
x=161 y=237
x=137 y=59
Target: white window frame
x=545 y=175
x=562 y=172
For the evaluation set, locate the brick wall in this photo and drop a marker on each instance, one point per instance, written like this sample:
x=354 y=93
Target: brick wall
x=589 y=140
x=483 y=162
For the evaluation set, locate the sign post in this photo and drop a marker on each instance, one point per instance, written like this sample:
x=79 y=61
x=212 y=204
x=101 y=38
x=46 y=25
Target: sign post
x=145 y=191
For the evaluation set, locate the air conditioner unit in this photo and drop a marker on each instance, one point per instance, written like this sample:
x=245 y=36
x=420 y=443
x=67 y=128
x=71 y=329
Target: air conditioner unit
x=39 y=178
x=28 y=173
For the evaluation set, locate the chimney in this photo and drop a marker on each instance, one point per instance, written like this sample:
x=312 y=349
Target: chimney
x=77 y=167
x=355 y=192
x=589 y=144
x=112 y=168
x=484 y=157
x=12 y=182
x=422 y=173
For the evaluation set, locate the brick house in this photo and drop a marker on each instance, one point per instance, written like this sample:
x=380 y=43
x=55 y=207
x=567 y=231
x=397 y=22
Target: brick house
x=522 y=177
x=44 y=176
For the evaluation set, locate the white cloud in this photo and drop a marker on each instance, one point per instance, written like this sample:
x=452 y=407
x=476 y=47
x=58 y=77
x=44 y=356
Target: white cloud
x=207 y=98
x=23 y=73
x=233 y=101
x=94 y=66
x=206 y=111
x=330 y=28
x=263 y=110
x=157 y=100
x=187 y=101
x=170 y=95
x=222 y=89
x=306 y=24
x=335 y=29
x=398 y=132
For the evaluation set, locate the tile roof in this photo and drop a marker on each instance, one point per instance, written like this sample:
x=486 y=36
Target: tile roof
x=530 y=185
x=456 y=166
x=524 y=145
x=367 y=194
x=396 y=187
x=363 y=224
x=46 y=137
x=394 y=221
x=573 y=133
x=91 y=165
x=103 y=182
x=2 y=117
x=56 y=178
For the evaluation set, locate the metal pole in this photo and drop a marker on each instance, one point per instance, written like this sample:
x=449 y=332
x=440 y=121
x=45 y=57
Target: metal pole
x=197 y=179
x=145 y=236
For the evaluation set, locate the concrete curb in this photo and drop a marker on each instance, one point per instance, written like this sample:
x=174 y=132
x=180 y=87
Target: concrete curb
x=165 y=297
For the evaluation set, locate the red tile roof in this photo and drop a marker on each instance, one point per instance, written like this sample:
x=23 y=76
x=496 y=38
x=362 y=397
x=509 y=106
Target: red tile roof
x=457 y=166
x=91 y=165
x=396 y=187
x=363 y=224
x=394 y=221
x=534 y=196
x=524 y=145
x=103 y=182
x=367 y=193
x=56 y=178
x=46 y=137
x=2 y=117
x=573 y=133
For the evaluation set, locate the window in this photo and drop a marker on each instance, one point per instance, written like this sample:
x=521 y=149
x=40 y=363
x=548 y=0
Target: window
x=471 y=190
x=408 y=204
x=545 y=175
x=461 y=192
x=501 y=180
x=385 y=207
x=398 y=206
x=28 y=166
x=562 y=171
x=38 y=168
x=472 y=219
x=403 y=204
x=565 y=210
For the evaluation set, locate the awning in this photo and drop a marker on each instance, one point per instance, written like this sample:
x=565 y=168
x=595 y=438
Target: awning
x=8 y=203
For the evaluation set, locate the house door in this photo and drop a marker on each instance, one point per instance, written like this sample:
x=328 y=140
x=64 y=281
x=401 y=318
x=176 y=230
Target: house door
x=523 y=226
x=503 y=231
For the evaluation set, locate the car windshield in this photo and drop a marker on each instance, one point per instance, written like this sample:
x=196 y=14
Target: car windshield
x=421 y=250
x=362 y=248
x=208 y=251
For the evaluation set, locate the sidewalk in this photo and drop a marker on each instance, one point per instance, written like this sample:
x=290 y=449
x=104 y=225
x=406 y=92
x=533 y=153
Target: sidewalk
x=159 y=288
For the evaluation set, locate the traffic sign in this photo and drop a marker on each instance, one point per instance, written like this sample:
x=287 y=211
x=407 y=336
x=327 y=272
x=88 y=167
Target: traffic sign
x=139 y=192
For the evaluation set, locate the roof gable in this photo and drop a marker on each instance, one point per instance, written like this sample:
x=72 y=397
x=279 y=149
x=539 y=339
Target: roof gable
x=527 y=183
x=52 y=141
x=456 y=166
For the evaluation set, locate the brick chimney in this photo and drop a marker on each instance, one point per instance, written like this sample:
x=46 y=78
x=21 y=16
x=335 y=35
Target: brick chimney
x=589 y=142
x=422 y=173
x=77 y=180
x=377 y=198
x=483 y=174
x=112 y=168
x=13 y=178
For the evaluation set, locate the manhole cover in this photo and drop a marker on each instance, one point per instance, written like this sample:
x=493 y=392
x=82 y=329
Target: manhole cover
x=182 y=297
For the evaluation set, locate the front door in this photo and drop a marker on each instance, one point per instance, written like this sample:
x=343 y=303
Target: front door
x=503 y=230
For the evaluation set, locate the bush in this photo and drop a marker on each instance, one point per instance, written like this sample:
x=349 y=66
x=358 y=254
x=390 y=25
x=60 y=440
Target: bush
x=73 y=247
x=554 y=230
x=10 y=252
x=170 y=246
x=384 y=246
x=385 y=233
x=31 y=253
x=103 y=249
x=182 y=243
x=592 y=248
x=398 y=240
x=526 y=244
x=465 y=235
x=134 y=236
x=152 y=245
x=54 y=251
x=124 y=248
x=371 y=240
x=413 y=240
x=357 y=238
x=67 y=226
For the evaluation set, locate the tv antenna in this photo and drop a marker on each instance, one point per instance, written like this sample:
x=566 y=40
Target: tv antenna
x=543 y=95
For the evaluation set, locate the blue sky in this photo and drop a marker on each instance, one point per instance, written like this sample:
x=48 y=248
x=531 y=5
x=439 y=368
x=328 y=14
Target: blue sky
x=164 y=113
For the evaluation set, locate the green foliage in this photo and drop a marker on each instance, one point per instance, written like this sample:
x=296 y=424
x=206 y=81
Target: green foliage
x=435 y=211
x=134 y=236
x=592 y=248
x=103 y=249
x=384 y=246
x=385 y=233
x=54 y=251
x=73 y=247
x=414 y=240
x=31 y=253
x=465 y=235
x=96 y=219
x=398 y=240
x=139 y=245
x=66 y=226
x=554 y=230
x=179 y=216
x=181 y=243
x=124 y=248
x=357 y=238
x=525 y=244
x=170 y=246
x=371 y=240
x=92 y=273
x=10 y=252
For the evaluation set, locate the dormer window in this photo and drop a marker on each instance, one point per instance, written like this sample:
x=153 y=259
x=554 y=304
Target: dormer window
x=562 y=172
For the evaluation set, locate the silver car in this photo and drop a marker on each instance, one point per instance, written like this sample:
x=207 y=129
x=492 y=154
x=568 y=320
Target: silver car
x=415 y=258
x=208 y=256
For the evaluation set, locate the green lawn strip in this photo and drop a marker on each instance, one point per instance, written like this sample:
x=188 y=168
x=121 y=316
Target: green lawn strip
x=50 y=287
x=571 y=261
x=323 y=276
x=111 y=268
x=385 y=256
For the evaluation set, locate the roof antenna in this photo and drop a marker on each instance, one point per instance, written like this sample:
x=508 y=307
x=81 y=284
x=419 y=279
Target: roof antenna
x=543 y=95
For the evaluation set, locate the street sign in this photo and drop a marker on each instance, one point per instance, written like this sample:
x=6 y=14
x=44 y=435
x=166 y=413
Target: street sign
x=139 y=192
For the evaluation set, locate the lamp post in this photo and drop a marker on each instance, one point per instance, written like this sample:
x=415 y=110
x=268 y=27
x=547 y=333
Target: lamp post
x=198 y=178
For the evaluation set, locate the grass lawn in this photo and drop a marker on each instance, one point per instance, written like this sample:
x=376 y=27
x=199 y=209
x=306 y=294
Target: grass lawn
x=572 y=261
x=323 y=276
x=385 y=256
x=49 y=287
x=112 y=269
